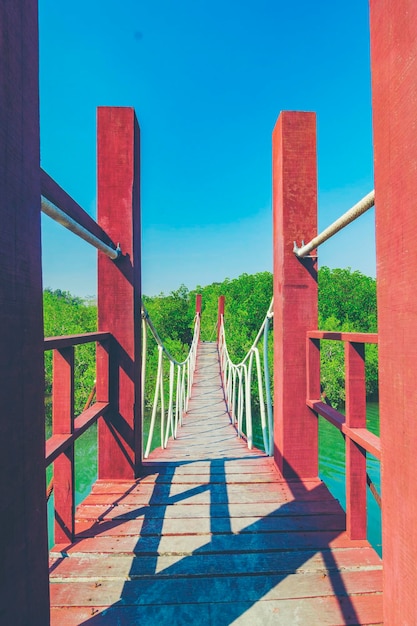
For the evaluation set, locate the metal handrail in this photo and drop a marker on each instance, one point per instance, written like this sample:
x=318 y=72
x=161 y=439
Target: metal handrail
x=352 y=214
x=62 y=218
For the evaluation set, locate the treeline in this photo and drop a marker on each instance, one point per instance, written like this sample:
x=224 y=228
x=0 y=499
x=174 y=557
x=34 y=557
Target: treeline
x=347 y=302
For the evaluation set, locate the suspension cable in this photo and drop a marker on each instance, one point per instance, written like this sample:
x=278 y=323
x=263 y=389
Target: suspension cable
x=352 y=214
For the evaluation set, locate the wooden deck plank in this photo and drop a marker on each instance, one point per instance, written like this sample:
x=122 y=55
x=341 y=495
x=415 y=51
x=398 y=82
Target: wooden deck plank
x=218 y=565
x=212 y=534
x=327 y=611
x=180 y=510
x=213 y=590
x=190 y=526
x=226 y=543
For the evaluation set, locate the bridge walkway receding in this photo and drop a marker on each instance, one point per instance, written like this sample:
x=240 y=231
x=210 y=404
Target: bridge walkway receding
x=212 y=534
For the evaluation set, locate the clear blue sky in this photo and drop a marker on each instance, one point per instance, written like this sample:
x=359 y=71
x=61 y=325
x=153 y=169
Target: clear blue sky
x=208 y=79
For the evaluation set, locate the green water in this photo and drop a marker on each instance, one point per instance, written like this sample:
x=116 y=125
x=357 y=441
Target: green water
x=331 y=468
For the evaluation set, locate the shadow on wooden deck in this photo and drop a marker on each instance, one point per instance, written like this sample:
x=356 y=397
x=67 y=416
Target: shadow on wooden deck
x=261 y=553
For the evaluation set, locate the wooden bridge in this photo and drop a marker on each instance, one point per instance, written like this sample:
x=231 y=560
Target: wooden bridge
x=213 y=532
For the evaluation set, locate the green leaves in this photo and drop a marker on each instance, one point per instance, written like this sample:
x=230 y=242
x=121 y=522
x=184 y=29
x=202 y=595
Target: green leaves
x=65 y=314
x=347 y=303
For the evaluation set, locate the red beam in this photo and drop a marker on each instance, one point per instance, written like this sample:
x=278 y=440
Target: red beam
x=329 y=413
x=119 y=293
x=24 y=551
x=57 y=343
x=57 y=444
x=295 y=290
x=363 y=437
x=393 y=26
x=334 y=336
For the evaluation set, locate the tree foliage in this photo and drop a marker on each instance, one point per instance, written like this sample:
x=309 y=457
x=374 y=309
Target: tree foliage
x=347 y=302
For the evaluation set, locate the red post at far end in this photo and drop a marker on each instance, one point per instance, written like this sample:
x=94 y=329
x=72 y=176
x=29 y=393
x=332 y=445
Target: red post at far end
x=219 y=315
x=198 y=304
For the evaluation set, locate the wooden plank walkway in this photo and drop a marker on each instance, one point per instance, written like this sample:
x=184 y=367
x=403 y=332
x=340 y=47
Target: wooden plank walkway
x=212 y=535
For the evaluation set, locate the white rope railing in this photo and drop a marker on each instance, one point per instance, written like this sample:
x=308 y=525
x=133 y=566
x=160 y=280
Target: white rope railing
x=237 y=381
x=180 y=382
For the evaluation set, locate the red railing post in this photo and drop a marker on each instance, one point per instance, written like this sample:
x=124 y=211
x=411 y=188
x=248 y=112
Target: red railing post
x=295 y=291
x=219 y=315
x=63 y=424
x=355 y=456
x=198 y=304
x=393 y=26
x=313 y=391
x=24 y=553
x=119 y=292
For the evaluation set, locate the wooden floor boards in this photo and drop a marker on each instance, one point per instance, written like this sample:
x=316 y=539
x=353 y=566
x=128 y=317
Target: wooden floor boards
x=212 y=535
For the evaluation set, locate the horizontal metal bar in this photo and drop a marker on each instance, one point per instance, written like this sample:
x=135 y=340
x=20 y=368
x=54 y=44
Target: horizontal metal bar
x=65 y=220
x=56 y=343
x=336 y=336
x=358 y=209
x=60 y=198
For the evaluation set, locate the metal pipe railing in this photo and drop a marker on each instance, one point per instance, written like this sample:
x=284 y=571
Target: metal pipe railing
x=358 y=209
x=65 y=220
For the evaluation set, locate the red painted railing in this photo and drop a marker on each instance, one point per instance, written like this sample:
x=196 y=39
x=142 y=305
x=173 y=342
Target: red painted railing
x=66 y=428
x=359 y=440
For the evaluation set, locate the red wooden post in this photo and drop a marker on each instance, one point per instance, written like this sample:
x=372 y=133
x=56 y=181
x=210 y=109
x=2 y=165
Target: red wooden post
x=313 y=369
x=24 y=549
x=119 y=292
x=63 y=424
x=219 y=315
x=355 y=456
x=198 y=304
x=394 y=94
x=295 y=290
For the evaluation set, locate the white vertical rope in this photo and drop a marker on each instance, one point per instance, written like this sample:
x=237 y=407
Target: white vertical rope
x=237 y=382
x=179 y=393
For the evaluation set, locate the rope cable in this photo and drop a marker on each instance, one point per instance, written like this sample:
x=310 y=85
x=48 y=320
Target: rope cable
x=237 y=382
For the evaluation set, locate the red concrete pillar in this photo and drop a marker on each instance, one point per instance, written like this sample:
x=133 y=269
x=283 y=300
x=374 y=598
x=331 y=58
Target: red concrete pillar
x=119 y=292
x=295 y=290
x=393 y=26
x=24 y=543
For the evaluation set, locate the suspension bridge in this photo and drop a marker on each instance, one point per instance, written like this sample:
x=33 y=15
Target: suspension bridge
x=206 y=527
